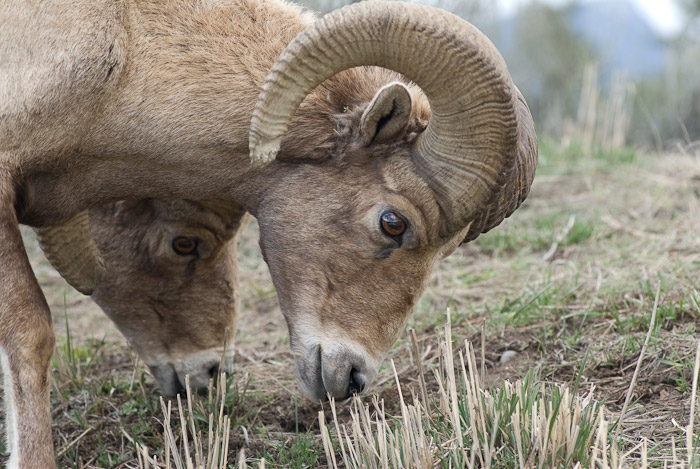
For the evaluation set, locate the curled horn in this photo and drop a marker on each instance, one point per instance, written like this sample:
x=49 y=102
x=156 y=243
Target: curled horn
x=473 y=143
x=71 y=250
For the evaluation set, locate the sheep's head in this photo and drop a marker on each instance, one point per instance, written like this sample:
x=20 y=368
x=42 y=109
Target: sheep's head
x=351 y=239
x=348 y=271
x=170 y=284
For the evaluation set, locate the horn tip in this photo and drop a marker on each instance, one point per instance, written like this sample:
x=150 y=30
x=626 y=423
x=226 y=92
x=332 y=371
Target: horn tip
x=264 y=153
x=86 y=290
x=88 y=284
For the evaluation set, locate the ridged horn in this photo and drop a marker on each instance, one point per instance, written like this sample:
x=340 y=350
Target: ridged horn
x=469 y=149
x=517 y=187
x=71 y=250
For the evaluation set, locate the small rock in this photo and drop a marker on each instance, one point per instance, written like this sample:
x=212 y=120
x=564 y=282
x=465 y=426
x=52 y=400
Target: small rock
x=507 y=356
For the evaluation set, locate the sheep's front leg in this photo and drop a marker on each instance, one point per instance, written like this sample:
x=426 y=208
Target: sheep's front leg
x=26 y=345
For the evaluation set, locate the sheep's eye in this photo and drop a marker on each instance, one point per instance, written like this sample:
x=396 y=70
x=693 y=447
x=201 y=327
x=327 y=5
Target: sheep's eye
x=392 y=224
x=184 y=246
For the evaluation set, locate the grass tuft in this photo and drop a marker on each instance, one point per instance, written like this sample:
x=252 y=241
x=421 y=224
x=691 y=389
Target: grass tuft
x=524 y=424
x=202 y=442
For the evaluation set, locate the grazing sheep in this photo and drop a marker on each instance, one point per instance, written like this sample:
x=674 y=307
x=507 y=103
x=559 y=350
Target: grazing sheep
x=360 y=182
x=171 y=285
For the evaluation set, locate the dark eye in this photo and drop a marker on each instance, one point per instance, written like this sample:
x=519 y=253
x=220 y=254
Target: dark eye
x=184 y=246
x=392 y=224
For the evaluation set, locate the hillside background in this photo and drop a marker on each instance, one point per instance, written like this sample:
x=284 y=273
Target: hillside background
x=597 y=73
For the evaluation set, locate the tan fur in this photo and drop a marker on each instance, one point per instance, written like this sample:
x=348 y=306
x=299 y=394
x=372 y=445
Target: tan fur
x=105 y=100
x=26 y=340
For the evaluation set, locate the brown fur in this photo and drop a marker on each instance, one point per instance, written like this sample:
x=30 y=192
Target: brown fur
x=141 y=99
x=178 y=311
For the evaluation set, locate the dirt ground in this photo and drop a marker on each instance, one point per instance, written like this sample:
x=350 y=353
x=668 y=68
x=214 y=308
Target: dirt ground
x=572 y=304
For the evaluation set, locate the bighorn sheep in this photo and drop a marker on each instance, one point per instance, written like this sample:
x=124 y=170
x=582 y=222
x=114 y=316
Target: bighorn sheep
x=172 y=283
x=102 y=100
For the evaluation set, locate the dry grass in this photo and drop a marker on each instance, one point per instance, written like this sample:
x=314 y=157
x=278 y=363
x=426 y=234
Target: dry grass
x=525 y=424
x=209 y=450
x=566 y=288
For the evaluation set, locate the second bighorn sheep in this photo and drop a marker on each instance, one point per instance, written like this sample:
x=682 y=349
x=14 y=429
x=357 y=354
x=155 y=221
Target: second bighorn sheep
x=171 y=285
x=374 y=178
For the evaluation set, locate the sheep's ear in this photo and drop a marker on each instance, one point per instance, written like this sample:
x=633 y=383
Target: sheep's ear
x=387 y=115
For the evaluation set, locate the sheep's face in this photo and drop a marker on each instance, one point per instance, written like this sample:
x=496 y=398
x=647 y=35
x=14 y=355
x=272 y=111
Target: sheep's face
x=349 y=253
x=171 y=284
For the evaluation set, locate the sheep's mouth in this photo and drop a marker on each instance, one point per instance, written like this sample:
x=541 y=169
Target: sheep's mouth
x=309 y=373
x=167 y=379
x=338 y=372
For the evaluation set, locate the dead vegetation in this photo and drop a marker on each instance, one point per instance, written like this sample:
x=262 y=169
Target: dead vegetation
x=457 y=423
x=565 y=290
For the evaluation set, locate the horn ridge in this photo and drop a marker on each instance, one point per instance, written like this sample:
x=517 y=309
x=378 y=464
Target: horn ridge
x=469 y=148
x=71 y=250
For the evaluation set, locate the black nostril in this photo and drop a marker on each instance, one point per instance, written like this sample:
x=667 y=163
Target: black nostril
x=357 y=382
x=214 y=371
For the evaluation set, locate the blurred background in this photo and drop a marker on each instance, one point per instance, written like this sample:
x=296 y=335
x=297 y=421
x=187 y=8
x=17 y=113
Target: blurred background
x=602 y=75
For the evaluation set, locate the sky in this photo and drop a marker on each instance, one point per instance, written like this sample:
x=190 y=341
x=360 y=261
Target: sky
x=664 y=16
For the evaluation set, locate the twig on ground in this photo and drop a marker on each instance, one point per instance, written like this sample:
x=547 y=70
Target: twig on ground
x=559 y=239
x=70 y=445
x=630 y=390
x=693 y=395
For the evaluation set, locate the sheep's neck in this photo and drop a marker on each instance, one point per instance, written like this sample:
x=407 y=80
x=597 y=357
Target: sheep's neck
x=174 y=114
